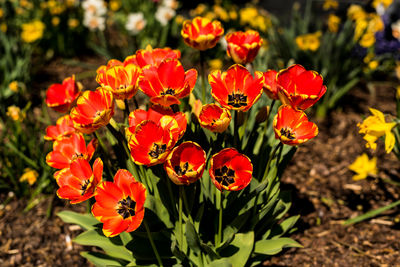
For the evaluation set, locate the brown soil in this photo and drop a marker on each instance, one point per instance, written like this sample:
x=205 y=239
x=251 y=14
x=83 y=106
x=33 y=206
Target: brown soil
x=324 y=194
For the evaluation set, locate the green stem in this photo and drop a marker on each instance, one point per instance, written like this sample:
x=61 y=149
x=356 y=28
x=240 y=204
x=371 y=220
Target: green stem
x=203 y=76
x=152 y=243
x=136 y=103
x=270 y=160
x=236 y=130
x=180 y=222
x=219 y=235
x=182 y=194
x=171 y=197
x=106 y=155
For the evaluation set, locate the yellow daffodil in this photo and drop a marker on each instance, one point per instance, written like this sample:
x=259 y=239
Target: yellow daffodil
x=356 y=12
x=1 y=13
x=13 y=86
x=221 y=13
x=373 y=64
x=333 y=23
x=384 y=3
x=247 y=15
x=15 y=113
x=330 y=4
x=32 y=31
x=308 y=41
x=198 y=11
x=215 y=64
x=363 y=167
x=73 y=23
x=3 y=27
x=29 y=175
x=115 y=5
x=374 y=127
x=179 y=19
x=55 y=21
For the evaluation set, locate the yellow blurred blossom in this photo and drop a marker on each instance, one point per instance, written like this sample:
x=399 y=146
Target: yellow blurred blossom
x=55 y=21
x=1 y=13
x=247 y=15
x=330 y=4
x=221 y=12
x=3 y=27
x=309 y=41
x=215 y=64
x=374 y=127
x=367 y=40
x=13 y=86
x=73 y=23
x=356 y=12
x=71 y=3
x=210 y=15
x=363 y=167
x=25 y=4
x=29 y=175
x=398 y=92
x=19 y=10
x=15 y=113
x=55 y=7
x=333 y=23
x=32 y=31
x=179 y=19
x=373 y=64
x=233 y=14
x=368 y=57
x=199 y=10
x=384 y=3
x=115 y=5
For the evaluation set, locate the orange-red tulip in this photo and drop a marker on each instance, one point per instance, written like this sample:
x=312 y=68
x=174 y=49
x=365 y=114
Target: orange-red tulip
x=243 y=47
x=299 y=87
x=168 y=82
x=201 y=33
x=236 y=89
x=69 y=148
x=94 y=110
x=78 y=182
x=63 y=128
x=155 y=114
x=154 y=57
x=185 y=164
x=122 y=80
x=61 y=96
x=120 y=204
x=230 y=170
x=270 y=84
x=292 y=127
x=214 y=118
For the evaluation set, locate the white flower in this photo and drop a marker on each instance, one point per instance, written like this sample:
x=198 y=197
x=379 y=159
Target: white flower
x=94 y=22
x=396 y=30
x=164 y=14
x=94 y=7
x=170 y=3
x=135 y=23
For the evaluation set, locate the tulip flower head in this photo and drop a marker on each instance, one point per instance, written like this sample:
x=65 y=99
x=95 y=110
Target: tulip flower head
x=201 y=33
x=230 y=170
x=120 y=204
x=236 y=88
x=214 y=118
x=61 y=96
x=292 y=127
x=299 y=87
x=94 y=110
x=78 y=182
x=243 y=46
x=168 y=82
x=186 y=163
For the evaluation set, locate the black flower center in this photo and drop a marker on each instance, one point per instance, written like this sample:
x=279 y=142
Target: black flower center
x=182 y=169
x=84 y=186
x=169 y=91
x=126 y=207
x=237 y=100
x=288 y=133
x=157 y=150
x=225 y=176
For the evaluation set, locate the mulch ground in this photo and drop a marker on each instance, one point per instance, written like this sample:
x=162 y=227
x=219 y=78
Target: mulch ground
x=323 y=191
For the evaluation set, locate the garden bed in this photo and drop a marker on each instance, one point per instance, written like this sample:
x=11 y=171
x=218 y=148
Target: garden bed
x=323 y=192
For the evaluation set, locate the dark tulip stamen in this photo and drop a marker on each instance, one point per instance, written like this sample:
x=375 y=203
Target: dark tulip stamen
x=84 y=187
x=182 y=169
x=237 y=100
x=288 y=133
x=157 y=150
x=126 y=207
x=225 y=176
x=168 y=92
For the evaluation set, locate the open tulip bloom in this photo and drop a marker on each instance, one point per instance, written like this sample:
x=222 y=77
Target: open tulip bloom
x=61 y=96
x=193 y=184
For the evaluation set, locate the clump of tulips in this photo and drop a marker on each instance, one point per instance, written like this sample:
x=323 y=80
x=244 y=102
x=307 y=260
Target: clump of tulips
x=184 y=182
